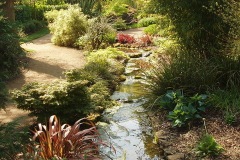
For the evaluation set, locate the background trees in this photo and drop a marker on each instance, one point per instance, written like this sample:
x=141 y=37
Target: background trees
x=205 y=27
x=8 y=9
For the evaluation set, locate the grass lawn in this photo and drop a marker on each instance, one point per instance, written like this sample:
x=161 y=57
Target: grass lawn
x=35 y=35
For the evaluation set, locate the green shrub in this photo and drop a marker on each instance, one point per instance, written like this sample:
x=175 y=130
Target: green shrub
x=69 y=25
x=31 y=26
x=51 y=16
x=11 y=54
x=90 y=7
x=100 y=94
x=23 y=13
x=152 y=29
x=26 y=12
x=206 y=27
x=117 y=9
x=3 y=95
x=144 y=22
x=69 y=100
x=41 y=9
x=99 y=32
x=120 y=12
x=119 y=24
x=112 y=59
x=12 y=140
x=104 y=64
x=207 y=146
x=163 y=27
x=182 y=109
x=101 y=82
x=105 y=54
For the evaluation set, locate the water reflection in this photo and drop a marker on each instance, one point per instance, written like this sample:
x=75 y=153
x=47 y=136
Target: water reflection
x=129 y=130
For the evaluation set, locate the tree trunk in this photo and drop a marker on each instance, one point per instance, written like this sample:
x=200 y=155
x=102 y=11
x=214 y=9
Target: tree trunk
x=8 y=9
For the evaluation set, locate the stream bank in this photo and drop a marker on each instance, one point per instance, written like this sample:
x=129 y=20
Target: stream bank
x=127 y=126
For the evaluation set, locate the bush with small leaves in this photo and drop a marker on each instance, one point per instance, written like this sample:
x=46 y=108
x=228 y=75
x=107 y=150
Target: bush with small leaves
x=144 y=22
x=11 y=54
x=69 y=25
x=68 y=100
x=13 y=138
x=51 y=16
x=119 y=24
x=152 y=29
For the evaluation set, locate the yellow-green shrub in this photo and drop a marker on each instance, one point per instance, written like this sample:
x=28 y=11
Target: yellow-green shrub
x=69 y=100
x=69 y=25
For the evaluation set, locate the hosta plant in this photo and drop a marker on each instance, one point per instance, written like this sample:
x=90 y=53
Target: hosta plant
x=183 y=110
x=80 y=141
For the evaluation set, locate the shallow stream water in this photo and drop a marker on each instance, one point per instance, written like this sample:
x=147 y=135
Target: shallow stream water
x=127 y=126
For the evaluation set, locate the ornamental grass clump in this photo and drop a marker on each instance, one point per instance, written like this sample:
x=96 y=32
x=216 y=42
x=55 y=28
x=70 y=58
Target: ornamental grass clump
x=66 y=142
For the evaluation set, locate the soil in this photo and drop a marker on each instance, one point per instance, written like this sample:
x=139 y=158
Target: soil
x=184 y=141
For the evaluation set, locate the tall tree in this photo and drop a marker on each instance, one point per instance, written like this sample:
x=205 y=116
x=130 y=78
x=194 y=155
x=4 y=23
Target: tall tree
x=8 y=9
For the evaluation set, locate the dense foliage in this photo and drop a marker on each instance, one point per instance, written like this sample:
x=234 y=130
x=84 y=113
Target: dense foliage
x=120 y=12
x=68 y=26
x=12 y=140
x=144 y=22
x=26 y=12
x=11 y=54
x=89 y=7
x=99 y=34
x=3 y=95
x=182 y=109
x=206 y=27
x=68 y=100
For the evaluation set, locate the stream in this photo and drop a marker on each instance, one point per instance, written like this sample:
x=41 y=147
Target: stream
x=127 y=126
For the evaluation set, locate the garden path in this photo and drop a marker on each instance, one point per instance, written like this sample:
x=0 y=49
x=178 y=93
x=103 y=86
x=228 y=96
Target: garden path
x=46 y=63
